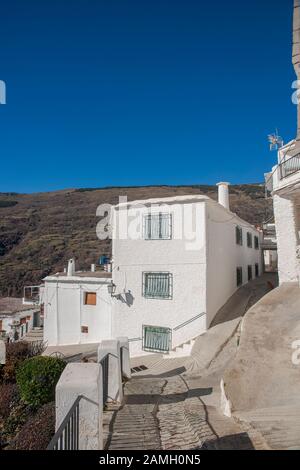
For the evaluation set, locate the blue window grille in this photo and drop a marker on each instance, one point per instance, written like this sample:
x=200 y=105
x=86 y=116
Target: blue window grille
x=157 y=285
x=158 y=226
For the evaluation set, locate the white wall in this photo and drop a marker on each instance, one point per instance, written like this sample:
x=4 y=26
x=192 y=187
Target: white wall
x=186 y=262
x=224 y=256
x=8 y=320
x=65 y=312
x=286 y=239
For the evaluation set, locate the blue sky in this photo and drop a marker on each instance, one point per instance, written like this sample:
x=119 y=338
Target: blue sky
x=140 y=92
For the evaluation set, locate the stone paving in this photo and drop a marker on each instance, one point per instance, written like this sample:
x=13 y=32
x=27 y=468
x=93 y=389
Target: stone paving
x=172 y=405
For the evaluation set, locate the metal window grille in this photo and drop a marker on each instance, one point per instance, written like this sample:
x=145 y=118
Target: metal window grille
x=158 y=226
x=157 y=285
x=239 y=276
x=239 y=235
x=156 y=338
x=249 y=239
x=256 y=244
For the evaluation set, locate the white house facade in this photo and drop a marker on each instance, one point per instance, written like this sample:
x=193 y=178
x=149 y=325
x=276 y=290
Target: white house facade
x=175 y=262
x=181 y=261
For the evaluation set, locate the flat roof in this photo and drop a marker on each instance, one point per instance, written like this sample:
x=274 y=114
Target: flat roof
x=80 y=274
x=12 y=305
x=167 y=200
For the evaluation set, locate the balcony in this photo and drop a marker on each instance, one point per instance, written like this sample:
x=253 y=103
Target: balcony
x=31 y=295
x=289 y=167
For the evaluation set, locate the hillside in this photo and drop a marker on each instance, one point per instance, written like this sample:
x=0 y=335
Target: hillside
x=40 y=232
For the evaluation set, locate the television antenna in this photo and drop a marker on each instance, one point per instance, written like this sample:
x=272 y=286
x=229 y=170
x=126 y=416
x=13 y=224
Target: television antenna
x=275 y=141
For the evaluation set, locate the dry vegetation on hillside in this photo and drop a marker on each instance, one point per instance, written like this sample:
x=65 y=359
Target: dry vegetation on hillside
x=40 y=232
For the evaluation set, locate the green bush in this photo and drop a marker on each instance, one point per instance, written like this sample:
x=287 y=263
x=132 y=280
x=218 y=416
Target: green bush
x=37 y=378
x=16 y=353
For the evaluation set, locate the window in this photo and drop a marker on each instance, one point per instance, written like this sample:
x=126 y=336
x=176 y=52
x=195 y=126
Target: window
x=84 y=329
x=249 y=239
x=239 y=276
x=239 y=235
x=249 y=272
x=256 y=243
x=256 y=270
x=90 y=298
x=157 y=285
x=158 y=226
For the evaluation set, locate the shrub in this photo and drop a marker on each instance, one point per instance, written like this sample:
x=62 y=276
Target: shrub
x=38 y=430
x=16 y=353
x=37 y=378
x=8 y=398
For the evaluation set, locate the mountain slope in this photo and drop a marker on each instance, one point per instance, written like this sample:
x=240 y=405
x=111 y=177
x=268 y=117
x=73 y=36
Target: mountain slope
x=40 y=232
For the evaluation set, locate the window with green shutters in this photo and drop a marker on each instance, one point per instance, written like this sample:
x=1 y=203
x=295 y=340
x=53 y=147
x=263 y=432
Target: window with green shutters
x=158 y=226
x=239 y=276
x=249 y=239
x=157 y=285
x=239 y=235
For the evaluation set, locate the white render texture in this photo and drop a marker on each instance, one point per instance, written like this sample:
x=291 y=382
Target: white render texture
x=82 y=379
x=286 y=239
x=203 y=271
x=115 y=388
x=125 y=363
x=65 y=312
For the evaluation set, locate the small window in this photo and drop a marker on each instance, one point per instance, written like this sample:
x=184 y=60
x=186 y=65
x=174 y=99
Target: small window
x=90 y=298
x=256 y=270
x=84 y=329
x=249 y=239
x=158 y=226
x=249 y=272
x=256 y=242
x=157 y=285
x=239 y=235
x=239 y=276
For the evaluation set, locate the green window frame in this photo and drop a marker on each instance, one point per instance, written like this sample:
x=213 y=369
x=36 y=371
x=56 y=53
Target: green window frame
x=250 y=274
x=249 y=240
x=239 y=235
x=158 y=226
x=239 y=276
x=157 y=285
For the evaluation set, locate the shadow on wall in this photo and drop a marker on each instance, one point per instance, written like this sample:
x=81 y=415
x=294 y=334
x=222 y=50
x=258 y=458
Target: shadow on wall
x=126 y=298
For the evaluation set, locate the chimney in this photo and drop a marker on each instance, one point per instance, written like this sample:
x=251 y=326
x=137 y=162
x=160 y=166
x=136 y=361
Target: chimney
x=223 y=194
x=296 y=53
x=71 y=267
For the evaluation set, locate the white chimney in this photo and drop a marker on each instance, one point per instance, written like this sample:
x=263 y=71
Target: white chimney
x=223 y=194
x=71 y=267
x=93 y=268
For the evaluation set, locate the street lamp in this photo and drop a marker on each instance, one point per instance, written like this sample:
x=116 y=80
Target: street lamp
x=111 y=288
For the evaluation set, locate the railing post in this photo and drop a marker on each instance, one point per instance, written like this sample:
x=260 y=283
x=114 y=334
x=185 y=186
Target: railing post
x=82 y=379
x=2 y=352
x=114 y=388
x=125 y=363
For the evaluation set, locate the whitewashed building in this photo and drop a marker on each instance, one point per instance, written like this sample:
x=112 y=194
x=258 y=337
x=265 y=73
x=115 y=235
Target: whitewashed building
x=284 y=183
x=175 y=262
x=17 y=318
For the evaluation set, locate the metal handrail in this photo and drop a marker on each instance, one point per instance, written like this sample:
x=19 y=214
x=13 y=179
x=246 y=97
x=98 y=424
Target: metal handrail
x=290 y=166
x=67 y=435
x=178 y=327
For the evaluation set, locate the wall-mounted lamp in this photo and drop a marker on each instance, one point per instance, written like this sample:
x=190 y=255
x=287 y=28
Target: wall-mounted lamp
x=111 y=288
